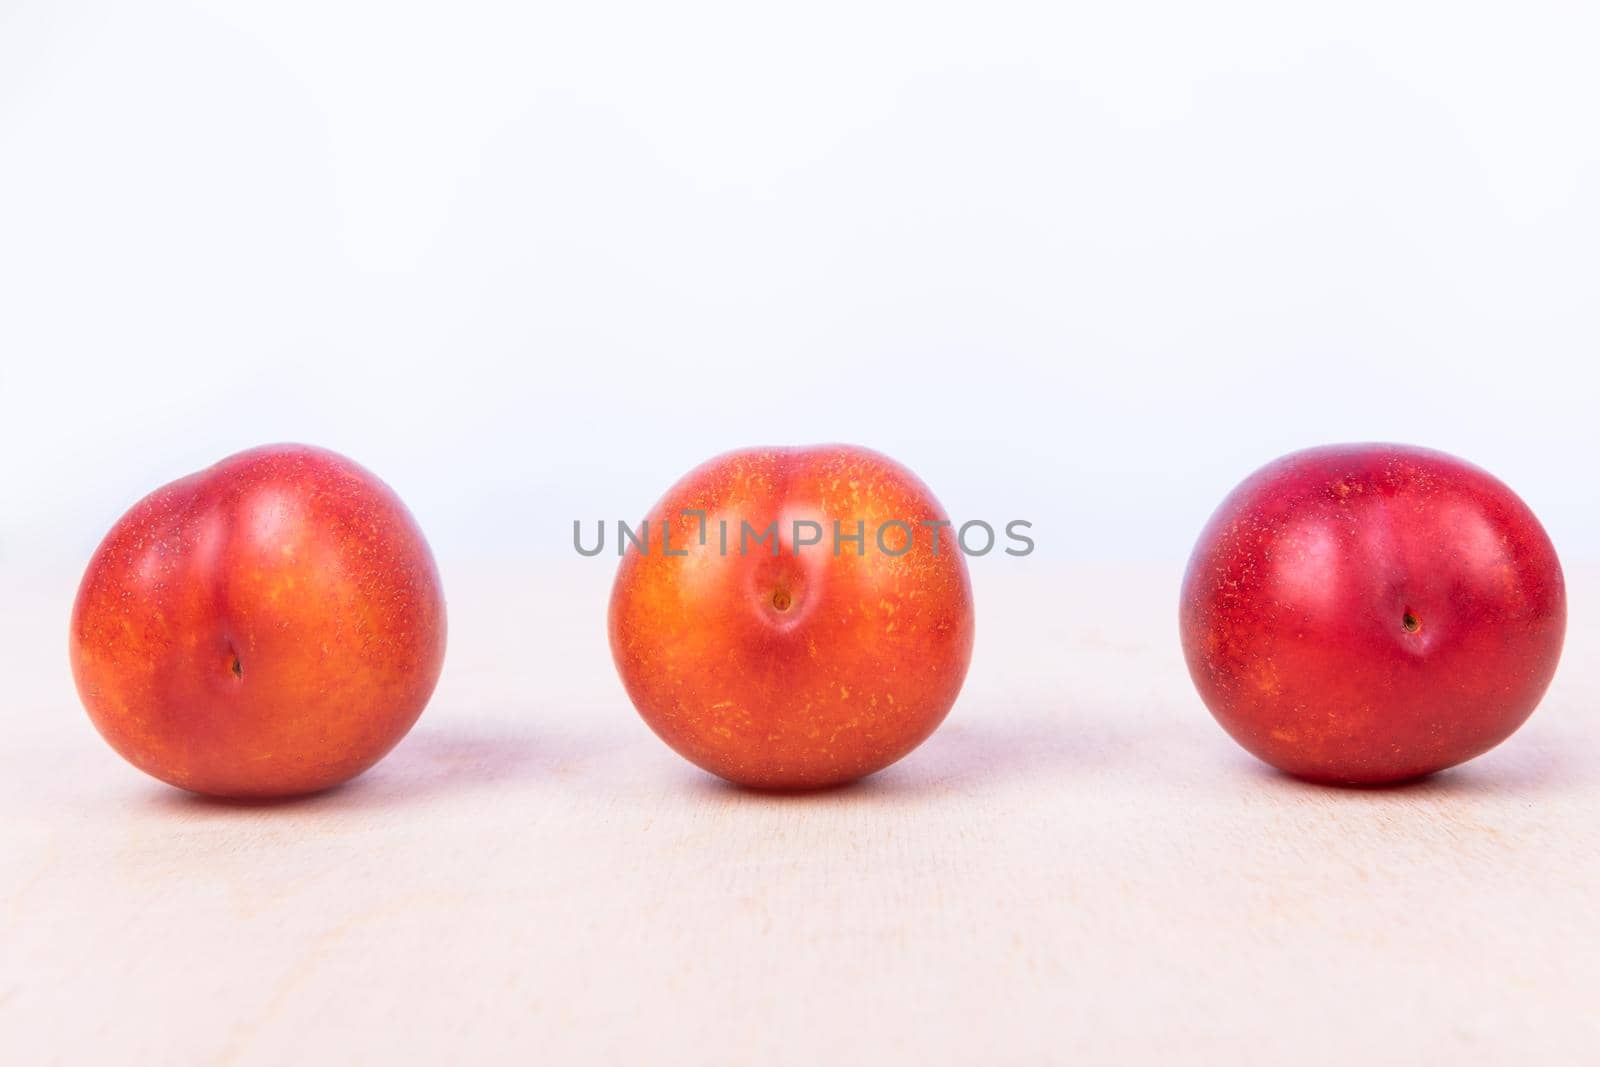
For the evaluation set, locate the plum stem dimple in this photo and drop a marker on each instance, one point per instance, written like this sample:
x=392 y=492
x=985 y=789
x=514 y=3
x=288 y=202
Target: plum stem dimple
x=1410 y=621
x=781 y=600
x=238 y=668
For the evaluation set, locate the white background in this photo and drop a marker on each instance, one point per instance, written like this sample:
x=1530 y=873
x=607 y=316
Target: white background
x=533 y=262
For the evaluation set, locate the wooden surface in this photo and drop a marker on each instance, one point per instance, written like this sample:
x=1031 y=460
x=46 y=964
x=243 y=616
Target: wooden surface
x=1079 y=867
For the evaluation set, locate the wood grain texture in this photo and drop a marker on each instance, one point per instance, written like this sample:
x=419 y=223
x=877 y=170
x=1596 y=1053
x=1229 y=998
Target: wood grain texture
x=1078 y=867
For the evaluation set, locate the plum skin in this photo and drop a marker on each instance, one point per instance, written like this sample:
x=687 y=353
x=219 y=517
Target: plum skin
x=270 y=626
x=1369 y=614
x=807 y=669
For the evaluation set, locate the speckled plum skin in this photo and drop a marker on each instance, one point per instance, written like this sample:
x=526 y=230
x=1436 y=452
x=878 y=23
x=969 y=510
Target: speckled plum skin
x=806 y=669
x=270 y=626
x=1368 y=614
